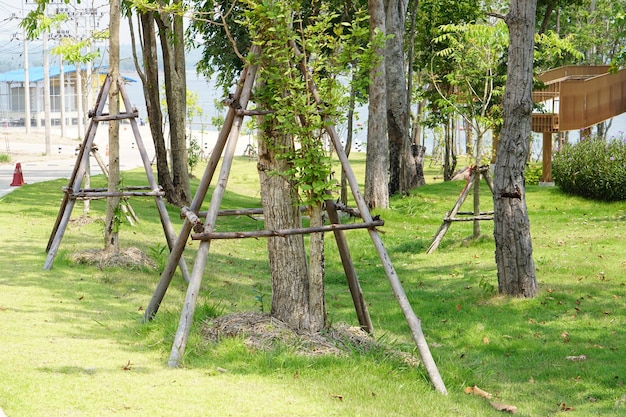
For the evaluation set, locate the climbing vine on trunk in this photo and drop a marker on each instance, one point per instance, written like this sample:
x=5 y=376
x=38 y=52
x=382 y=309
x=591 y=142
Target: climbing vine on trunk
x=299 y=66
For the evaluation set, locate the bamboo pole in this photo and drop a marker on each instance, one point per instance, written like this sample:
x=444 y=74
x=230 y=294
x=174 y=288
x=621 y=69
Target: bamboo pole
x=452 y=214
x=259 y=211
x=413 y=321
x=101 y=164
x=469 y=219
x=168 y=228
x=201 y=191
x=360 y=305
x=285 y=232
x=186 y=318
x=129 y=188
x=97 y=195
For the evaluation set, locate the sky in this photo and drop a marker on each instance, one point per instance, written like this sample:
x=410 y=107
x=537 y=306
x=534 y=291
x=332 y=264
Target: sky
x=84 y=16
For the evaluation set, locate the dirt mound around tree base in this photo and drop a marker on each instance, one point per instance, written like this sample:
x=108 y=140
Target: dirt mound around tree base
x=126 y=258
x=263 y=332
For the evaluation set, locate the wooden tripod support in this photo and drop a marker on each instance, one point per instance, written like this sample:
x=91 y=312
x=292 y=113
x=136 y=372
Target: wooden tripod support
x=475 y=173
x=73 y=191
x=226 y=144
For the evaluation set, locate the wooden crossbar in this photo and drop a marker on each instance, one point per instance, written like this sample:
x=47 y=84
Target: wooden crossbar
x=286 y=232
x=95 y=195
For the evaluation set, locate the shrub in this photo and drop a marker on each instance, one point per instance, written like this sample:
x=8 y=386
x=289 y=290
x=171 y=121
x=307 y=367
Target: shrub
x=194 y=153
x=533 y=174
x=4 y=157
x=593 y=169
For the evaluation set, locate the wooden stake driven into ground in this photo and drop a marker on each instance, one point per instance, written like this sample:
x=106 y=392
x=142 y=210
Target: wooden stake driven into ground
x=74 y=192
x=227 y=143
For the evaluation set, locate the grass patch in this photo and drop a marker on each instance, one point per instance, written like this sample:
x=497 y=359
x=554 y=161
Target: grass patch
x=73 y=342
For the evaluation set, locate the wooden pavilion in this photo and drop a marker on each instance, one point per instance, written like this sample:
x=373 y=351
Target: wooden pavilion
x=576 y=98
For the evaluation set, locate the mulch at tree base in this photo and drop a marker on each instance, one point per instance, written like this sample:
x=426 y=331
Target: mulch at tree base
x=263 y=332
x=126 y=258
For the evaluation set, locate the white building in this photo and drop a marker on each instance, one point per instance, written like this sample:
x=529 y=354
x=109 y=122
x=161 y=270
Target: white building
x=63 y=87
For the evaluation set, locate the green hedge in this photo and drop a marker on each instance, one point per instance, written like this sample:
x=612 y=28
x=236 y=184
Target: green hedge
x=592 y=168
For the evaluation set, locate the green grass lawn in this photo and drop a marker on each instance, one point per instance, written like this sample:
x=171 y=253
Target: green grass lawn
x=72 y=341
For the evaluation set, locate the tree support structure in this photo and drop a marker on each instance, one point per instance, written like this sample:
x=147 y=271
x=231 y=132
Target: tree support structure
x=74 y=192
x=204 y=232
x=451 y=216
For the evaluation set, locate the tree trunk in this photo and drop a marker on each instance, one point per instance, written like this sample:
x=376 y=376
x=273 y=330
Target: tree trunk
x=419 y=153
x=111 y=225
x=376 y=164
x=417 y=150
x=550 y=4
x=469 y=137
x=449 y=162
x=150 y=80
x=516 y=269
x=402 y=172
x=477 y=157
x=171 y=34
x=317 y=306
x=287 y=256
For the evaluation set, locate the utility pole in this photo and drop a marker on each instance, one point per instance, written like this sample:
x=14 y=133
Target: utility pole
x=26 y=86
x=46 y=93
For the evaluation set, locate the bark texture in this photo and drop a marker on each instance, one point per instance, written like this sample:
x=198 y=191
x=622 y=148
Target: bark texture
x=287 y=255
x=150 y=81
x=402 y=170
x=171 y=34
x=516 y=270
x=317 y=305
x=377 y=158
x=111 y=236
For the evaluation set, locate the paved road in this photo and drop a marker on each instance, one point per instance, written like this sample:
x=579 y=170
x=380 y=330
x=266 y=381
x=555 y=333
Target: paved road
x=62 y=165
x=63 y=160
x=51 y=169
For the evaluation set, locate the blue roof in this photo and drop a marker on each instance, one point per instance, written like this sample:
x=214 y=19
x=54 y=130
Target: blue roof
x=35 y=74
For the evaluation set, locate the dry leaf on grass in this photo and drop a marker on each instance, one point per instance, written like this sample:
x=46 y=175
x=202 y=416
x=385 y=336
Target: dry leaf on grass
x=578 y=358
x=477 y=391
x=504 y=407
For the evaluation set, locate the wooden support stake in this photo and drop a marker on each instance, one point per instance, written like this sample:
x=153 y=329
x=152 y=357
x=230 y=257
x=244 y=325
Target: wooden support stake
x=186 y=318
x=285 y=232
x=358 y=300
x=450 y=215
x=412 y=320
x=81 y=166
x=177 y=251
x=168 y=228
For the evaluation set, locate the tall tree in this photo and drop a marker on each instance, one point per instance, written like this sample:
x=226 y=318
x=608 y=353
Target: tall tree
x=475 y=52
x=149 y=75
x=516 y=268
x=432 y=14
x=166 y=21
x=171 y=35
x=376 y=165
x=294 y=166
x=111 y=224
x=402 y=168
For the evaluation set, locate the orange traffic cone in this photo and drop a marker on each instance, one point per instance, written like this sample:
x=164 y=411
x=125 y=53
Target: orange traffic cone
x=18 y=178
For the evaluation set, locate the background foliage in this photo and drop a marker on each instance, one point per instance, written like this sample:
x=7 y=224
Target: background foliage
x=592 y=168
